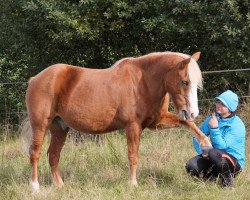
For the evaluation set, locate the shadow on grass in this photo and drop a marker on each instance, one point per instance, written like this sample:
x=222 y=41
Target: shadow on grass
x=161 y=178
x=158 y=177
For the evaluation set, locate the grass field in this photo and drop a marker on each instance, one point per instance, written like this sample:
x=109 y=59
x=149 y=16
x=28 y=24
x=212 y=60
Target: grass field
x=92 y=170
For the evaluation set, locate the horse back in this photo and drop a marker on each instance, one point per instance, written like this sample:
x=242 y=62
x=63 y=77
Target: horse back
x=88 y=100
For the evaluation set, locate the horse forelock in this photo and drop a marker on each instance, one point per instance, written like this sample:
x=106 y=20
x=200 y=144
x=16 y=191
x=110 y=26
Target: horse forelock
x=194 y=72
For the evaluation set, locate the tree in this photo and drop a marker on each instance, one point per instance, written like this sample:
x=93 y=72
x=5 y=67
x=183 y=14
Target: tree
x=96 y=33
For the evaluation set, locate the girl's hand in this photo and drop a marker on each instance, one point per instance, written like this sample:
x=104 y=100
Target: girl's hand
x=213 y=121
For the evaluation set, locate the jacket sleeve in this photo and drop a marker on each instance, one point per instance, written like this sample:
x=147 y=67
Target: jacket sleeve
x=197 y=146
x=205 y=129
x=228 y=138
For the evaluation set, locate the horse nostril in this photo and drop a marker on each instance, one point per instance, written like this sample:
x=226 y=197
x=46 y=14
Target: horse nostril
x=185 y=114
x=192 y=115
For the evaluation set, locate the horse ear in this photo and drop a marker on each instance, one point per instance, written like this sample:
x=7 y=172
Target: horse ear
x=196 y=56
x=184 y=63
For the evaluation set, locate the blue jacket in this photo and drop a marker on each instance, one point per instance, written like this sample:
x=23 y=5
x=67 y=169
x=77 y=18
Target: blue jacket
x=229 y=136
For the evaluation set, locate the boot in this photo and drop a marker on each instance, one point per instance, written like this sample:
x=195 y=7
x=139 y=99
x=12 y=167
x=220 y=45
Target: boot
x=227 y=180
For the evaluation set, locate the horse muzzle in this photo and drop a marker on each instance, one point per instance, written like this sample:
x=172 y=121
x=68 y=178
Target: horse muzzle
x=187 y=116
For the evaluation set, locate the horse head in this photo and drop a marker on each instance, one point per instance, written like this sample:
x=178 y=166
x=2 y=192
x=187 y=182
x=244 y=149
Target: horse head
x=182 y=83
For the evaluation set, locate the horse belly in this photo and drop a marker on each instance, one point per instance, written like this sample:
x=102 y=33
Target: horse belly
x=94 y=104
x=92 y=121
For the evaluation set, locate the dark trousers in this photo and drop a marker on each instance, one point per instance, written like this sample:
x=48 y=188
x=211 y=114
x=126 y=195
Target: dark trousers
x=218 y=163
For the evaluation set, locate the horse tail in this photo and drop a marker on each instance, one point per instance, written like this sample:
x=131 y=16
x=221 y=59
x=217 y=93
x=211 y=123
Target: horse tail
x=26 y=136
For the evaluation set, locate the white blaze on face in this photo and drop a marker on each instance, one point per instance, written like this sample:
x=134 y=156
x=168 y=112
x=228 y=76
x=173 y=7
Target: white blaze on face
x=193 y=101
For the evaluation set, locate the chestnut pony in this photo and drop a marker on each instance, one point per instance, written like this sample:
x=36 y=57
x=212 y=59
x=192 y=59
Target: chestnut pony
x=133 y=95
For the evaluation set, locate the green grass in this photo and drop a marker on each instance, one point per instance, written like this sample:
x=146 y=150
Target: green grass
x=92 y=170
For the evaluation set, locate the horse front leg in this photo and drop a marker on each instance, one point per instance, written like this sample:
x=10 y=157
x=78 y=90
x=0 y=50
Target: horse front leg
x=201 y=137
x=133 y=133
x=170 y=120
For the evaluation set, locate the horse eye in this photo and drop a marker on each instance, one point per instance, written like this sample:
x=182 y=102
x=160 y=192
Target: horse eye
x=184 y=82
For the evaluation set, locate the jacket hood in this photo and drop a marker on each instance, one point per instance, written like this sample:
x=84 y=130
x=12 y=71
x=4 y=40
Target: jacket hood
x=229 y=99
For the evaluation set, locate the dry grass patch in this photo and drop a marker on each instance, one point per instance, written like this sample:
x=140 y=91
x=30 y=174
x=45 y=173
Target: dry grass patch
x=94 y=170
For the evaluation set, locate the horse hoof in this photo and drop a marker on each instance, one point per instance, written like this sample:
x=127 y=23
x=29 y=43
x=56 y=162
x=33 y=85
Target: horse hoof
x=134 y=184
x=59 y=185
x=35 y=186
x=57 y=180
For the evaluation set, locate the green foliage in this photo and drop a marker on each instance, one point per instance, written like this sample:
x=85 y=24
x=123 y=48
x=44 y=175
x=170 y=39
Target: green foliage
x=38 y=33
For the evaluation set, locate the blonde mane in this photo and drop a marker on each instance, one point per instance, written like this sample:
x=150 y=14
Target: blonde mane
x=194 y=72
x=119 y=62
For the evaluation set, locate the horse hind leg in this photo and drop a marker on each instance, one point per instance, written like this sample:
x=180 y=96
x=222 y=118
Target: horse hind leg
x=58 y=136
x=38 y=134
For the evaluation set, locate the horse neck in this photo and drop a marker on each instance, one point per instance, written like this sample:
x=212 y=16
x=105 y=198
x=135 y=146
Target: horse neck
x=153 y=77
